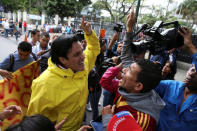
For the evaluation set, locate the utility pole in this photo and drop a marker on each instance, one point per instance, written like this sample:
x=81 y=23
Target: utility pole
x=137 y=9
x=136 y=14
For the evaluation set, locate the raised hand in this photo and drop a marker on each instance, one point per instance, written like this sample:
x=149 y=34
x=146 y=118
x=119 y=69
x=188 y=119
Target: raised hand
x=86 y=26
x=131 y=19
x=187 y=35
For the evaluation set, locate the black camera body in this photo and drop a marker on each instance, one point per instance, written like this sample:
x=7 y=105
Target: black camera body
x=118 y=27
x=157 y=40
x=80 y=34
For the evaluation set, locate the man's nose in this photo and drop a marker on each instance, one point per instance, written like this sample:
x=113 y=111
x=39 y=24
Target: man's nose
x=82 y=56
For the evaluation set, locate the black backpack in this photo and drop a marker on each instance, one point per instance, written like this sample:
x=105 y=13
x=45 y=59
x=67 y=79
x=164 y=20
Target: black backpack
x=93 y=81
x=12 y=61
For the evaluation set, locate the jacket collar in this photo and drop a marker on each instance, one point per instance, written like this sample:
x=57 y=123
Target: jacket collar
x=149 y=102
x=188 y=102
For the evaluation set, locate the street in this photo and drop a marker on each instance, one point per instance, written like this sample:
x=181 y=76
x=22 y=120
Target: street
x=9 y=45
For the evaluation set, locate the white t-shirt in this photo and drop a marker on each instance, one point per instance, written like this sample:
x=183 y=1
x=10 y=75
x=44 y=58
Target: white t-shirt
x=30 y=27
x=6 y=25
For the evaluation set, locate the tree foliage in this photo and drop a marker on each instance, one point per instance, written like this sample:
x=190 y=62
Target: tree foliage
x=64 y=8
x=118 y=9
x=23 y=5
x=188 y=9
x=9 y=5
x=158 y=13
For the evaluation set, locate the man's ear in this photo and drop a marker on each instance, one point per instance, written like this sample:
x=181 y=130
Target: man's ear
x=139 y=87
x=63 y=61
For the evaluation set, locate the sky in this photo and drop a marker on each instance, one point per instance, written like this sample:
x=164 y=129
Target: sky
x=161 y=2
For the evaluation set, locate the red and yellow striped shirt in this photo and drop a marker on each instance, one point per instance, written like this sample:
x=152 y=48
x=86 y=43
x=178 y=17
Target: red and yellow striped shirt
x=146 y=122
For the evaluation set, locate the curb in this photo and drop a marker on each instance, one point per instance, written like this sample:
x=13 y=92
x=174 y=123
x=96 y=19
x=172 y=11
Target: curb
x=183 y=65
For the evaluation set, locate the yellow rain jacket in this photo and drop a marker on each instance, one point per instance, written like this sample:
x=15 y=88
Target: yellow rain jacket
x=60 y=93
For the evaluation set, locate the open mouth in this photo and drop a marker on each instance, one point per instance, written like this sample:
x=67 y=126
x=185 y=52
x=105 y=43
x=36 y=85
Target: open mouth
x=187 y=79
x=81 y=64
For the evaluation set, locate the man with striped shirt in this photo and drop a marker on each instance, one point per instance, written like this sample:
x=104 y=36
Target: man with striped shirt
x=134 y=92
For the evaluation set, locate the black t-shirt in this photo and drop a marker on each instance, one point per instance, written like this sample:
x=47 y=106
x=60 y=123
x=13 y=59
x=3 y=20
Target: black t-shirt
x=20 y=24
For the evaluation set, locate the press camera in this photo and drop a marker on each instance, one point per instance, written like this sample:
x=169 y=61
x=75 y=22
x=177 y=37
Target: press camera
x=158 y=39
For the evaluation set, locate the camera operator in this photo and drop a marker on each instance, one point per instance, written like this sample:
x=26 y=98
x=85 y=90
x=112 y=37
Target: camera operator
x=180 y=97
x=113 y=40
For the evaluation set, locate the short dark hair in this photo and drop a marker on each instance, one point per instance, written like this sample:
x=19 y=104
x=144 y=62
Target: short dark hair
x=34 y=31
x=170 y=75
x=45 y=34
x=150 y=74
x=61 y=46
x=25 y=46
x=33 y=123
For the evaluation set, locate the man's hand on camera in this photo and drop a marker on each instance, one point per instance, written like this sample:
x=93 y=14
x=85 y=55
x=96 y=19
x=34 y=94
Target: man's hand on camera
x=131 y=19
x=187 y=35
x=114 y=38
x=86 y=26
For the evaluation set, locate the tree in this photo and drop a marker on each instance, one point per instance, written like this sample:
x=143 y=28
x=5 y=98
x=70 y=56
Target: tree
x=119 y=8
x=169 y=2
x=28 y=5
x=156 y=15
x=9 y=5
x=64 y=8
x=188 y=9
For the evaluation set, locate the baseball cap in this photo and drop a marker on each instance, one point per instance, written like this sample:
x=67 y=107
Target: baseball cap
x=123 y=121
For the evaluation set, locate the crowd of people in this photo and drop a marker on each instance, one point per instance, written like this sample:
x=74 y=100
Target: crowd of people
x=75 y=71
x=18 y=28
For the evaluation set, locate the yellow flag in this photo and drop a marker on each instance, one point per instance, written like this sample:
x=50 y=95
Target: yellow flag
x=17 y=91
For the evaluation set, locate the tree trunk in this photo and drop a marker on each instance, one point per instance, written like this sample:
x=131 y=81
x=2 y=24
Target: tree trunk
x=62 y=20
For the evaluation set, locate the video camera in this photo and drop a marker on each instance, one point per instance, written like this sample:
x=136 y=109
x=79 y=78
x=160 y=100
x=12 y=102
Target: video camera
x=118 y=27
x=157 y=42
x=80 y=34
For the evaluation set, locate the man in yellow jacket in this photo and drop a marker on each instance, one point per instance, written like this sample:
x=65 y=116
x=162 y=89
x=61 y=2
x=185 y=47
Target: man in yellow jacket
x=62 y=90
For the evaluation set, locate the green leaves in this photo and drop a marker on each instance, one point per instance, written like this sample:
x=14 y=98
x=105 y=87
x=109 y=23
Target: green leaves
x=65 y=8
x=188 y=10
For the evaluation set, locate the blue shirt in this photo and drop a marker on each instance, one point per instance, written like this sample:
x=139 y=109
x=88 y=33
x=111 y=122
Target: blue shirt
x=69 y=30
x=18 y=63
x=194 y=60
x=172 y=93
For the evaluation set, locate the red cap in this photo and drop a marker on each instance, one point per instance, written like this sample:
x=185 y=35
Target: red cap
x=123 y=121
